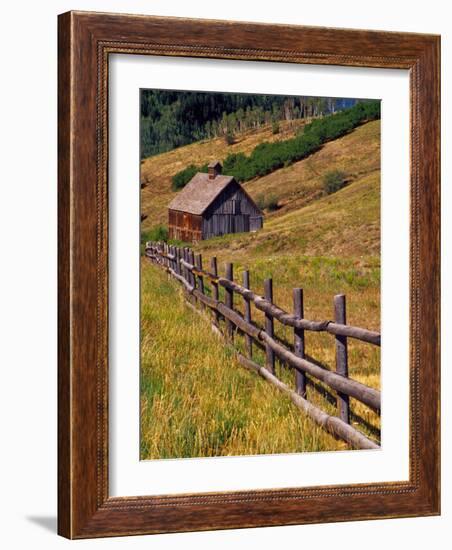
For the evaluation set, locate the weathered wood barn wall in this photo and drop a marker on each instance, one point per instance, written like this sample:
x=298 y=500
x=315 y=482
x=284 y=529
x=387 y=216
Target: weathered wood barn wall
x=231 y=212
x=212 y=205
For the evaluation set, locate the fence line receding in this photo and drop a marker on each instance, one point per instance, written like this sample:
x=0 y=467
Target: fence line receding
x=187 y=268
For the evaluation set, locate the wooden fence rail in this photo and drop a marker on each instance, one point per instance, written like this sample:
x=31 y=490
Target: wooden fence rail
x=187 y=268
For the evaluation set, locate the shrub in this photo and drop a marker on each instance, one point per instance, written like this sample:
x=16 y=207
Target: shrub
x=157 y=233
x=270 y=203
x=181 y=179
x=275 y=127
x=260 y=201
x=333 y=181
x=229 y=138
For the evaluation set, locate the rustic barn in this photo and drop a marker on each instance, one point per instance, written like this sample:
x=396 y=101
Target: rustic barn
x=211 y=205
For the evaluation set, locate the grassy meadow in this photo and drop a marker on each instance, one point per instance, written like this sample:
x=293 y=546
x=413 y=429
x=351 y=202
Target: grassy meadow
x=196 y=400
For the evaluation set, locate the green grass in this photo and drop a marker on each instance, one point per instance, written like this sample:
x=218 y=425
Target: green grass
x=196 y=400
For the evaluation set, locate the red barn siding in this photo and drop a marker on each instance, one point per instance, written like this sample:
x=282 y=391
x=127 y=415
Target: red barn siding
x=184 y=226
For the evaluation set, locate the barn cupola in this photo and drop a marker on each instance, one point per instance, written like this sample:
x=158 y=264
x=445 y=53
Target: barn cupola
x=214 y=169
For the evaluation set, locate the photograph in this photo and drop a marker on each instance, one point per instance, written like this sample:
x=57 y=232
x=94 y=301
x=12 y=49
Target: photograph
x=260 y=274
x=228 y=328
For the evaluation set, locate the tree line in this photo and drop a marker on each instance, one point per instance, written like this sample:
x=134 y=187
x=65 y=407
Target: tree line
x=267 y=157
x=170 y=119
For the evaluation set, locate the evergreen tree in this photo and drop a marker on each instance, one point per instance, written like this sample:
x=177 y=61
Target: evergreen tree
x=171 y=119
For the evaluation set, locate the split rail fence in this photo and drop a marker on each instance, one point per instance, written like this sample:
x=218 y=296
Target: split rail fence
x=187 y=268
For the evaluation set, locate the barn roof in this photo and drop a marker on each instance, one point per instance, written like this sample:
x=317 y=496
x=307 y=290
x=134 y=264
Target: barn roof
x=199 y=193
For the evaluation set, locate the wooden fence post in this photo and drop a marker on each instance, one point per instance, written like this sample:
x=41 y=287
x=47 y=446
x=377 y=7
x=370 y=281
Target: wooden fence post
x=229 y=300
x=177 y=263
x=215 y=293
x=299 y=344
x=181 y=257
x=186 y=273
x=198 y=263
x=191 y=259
x=269 y=328
x=248 y=339
x=342 y=356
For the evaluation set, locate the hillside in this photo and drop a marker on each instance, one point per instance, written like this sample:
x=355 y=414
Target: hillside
x=159 y=169
x=196 y=400
x=172 y=118
x=344 y=224
x=357 y=154
x=325 y=244
x=294 y=188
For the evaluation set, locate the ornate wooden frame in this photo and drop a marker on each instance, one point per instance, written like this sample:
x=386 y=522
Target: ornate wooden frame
x=85 y=42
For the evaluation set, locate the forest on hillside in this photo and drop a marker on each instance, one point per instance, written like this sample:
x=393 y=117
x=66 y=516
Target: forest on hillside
x=170 y=119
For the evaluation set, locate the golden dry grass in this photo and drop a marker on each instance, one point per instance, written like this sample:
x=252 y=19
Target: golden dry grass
x=357 y=153
x=324 y=244
x=345 y=224
x=196 y=400
x=159 y=169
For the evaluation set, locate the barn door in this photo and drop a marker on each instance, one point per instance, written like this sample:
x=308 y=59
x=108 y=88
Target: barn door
x=255 y=223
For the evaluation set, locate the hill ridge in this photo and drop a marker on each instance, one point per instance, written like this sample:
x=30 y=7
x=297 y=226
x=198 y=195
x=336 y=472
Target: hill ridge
x=295 y=188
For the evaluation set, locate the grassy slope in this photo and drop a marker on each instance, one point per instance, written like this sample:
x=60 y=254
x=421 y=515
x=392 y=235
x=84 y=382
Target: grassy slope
x=295 y=186
x=326 y=245
x=195 y=398
x=357 y=154
x=159 y=169
x=345 y=224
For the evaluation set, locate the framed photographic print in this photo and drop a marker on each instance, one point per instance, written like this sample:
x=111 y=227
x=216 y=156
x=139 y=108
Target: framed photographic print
x=248 y=275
